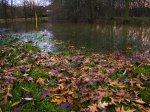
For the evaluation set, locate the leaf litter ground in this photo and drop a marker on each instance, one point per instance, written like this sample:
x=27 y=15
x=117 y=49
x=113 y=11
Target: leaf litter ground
x=35 y=81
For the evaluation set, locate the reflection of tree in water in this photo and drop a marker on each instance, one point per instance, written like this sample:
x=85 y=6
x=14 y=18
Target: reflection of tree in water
x=140 y=37
x=97 y=37
x=103 y=37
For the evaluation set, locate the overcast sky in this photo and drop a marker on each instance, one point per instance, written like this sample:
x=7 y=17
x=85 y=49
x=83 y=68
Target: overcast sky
x=41 y=2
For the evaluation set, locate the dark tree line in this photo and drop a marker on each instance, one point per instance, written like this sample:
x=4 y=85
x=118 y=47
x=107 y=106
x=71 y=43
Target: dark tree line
x=26 y=9
x=93 y=10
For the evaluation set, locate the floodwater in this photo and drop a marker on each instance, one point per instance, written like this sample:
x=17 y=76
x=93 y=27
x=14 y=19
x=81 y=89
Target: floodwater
x=96 y=37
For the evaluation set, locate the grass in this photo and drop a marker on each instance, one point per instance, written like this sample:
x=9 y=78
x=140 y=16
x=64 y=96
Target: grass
x=36 y=105
x=145 y=94
x=71 y=80
x=22 y=20
x=8 y=41
x=145 y=69
x=37 y=73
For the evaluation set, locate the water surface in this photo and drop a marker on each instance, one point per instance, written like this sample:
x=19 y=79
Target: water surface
x=95 y=37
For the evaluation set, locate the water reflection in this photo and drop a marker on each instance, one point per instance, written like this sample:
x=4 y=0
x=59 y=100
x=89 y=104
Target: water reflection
x=104 y=37
x=96 y=37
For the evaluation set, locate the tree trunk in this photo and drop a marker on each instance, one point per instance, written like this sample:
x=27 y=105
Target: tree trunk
x=25 y=12
x=126 y=17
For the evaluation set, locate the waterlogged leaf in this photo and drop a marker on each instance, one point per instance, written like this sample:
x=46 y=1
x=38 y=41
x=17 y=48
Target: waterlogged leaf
x=140 y=101
x=118 y=109
x=64 y=105
x=5 y=97
x=2 y=91
x=17 y=109
x=102 y=105
x=44 y=94
x=58 y=100
x=93 y=108
x=122 y=93
x=41 y=81
x=116 y=83
x=147 y=109
x=86 y=79
x=139 y=85
x=86 y=61
x=61 y=86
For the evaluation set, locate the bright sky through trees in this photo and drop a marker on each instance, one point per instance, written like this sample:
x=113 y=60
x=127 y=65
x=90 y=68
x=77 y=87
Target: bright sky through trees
x=40 y=2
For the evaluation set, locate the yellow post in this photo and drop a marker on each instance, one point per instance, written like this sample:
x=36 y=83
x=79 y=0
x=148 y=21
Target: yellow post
x=36 y=21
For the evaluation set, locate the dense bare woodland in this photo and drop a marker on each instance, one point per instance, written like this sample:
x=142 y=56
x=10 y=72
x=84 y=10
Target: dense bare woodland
x=75 y=10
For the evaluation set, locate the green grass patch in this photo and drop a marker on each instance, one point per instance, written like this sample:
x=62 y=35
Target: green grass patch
x=65 y=53
x=36 y=73
x=145 y=95
x=36 y=105
x=8 y=42
x=145 y=69
x=97 y=85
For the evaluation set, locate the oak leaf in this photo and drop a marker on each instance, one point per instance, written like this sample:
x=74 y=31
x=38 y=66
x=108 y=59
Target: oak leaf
x=139 y=85
x=93 y=108
x=58 y=100
x=102 y=105
x=41 y=81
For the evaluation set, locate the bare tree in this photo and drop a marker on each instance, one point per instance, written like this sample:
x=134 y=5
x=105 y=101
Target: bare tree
x=25 y=10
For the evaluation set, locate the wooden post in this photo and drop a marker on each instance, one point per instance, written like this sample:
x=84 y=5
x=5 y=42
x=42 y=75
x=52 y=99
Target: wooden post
x=36 y=21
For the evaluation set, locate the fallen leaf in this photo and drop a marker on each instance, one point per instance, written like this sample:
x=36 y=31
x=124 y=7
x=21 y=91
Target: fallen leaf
x=86 y=61
x=116 y=83
x=140 y=101
x=64 y=105
x=118 y=109
x=70 y=101
x=61 y=86
x=139 y=85
x=93 y=108
x=41 y=81
x=0 y=110
x=102 y=105
x=58 y=100
x=5 y=97
x=17 y=109
x=86 y=79
x=2 y=91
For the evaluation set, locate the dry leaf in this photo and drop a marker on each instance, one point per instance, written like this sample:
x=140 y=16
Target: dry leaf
x=93 y=108
x=102 y=105
x=118 y=109
x=116 y=83
x=2 y=91
x=58 y=100
x=61 y=86
x=5 y=97
x=140 y=101
x=41 y=81
x=86 y=79
x=0 y=110
x=139 y=85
